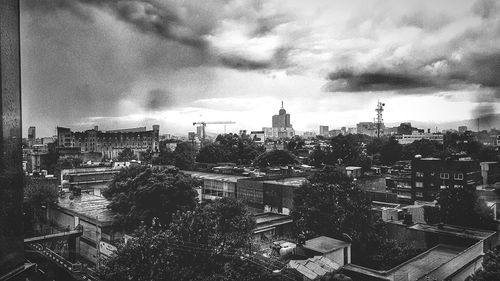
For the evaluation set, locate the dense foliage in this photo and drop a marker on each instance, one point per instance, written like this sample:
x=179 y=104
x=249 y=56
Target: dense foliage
x=39 y=194
x=126 y=155
x=275 y=158
x=184 y=156
x=329 y=204
x=206 y=243
x=491 y=267
x=343 y=150
x=459 y=206
x=230 y=148
x=139 y=194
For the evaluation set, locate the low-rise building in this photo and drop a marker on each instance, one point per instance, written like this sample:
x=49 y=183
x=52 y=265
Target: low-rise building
x=430 y=175
x=92 y=214
x=407 y=139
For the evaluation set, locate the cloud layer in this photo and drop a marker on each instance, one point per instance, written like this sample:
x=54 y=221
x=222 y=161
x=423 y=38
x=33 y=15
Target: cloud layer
x=105 y=60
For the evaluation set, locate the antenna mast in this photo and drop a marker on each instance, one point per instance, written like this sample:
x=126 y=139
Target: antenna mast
x=380 y=119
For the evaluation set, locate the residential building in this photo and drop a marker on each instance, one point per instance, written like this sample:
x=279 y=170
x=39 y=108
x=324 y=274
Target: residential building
x=90 y=178
x=111 y=143
x=31 y=135
x=401 y=185
x=430 y=175
x=258 y=136
x=334 y=133
x=216 y=186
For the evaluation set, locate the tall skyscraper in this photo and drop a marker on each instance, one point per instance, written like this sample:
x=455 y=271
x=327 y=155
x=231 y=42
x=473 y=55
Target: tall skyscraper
x=32 y=133
x=323 y=131
x=282 y=120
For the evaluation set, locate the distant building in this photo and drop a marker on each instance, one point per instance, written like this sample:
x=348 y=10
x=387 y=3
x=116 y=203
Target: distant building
x=462 y=129
x=334 y=133
x=490 y=172
x=367 y=128
x=405 y=129
x=199 y=132
x=407 y=139
x=282 y=120
x=430 y=175
x=111 y=143
x=309 y=135
x=31 y=134
x=352 y=131
x=258 y=136
x=281 y=126
x=323 y=131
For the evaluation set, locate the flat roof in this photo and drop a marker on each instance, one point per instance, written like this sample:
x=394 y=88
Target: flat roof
x=213 y=176
x=266 y=221
x=324 y=244
x=427 y=261
x=296 y=181
x=88 y=206
x=457 y=231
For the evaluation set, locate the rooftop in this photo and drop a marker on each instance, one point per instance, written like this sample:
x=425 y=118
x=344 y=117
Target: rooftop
x=267 y=221
x=457 y=231
x=213 y=176
x=88 y=206
x=325 y=244
x=297 y=181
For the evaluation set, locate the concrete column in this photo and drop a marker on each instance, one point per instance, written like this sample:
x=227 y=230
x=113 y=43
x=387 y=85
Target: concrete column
x=11 y=177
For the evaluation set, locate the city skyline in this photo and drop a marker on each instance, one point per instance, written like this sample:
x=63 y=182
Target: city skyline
x=123 y=64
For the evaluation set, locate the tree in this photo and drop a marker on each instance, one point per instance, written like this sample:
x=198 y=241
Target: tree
x=144 y=258
x=275 y=158
x=424 y=147
x=166 y=156
x=295 y=144
x=491 y=267
x=140 y=194
x=201 y=244
x=330 y=204
x=184 y=156
x=126 y=155
x=213 y=153
x=459 y=206
x=224 y=224
x=391 y=151
x=147 y=156
x=39 y=194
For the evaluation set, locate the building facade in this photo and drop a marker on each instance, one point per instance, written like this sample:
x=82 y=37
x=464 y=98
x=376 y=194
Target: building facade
x=407 y=139
x=282 y=128
x=430 y=175
x=323 y=131
x=110 y=143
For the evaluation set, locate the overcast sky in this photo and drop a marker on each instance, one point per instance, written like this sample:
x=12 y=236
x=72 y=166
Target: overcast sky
x=121 y=63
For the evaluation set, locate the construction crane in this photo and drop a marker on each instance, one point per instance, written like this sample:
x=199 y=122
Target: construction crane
x=204 y=124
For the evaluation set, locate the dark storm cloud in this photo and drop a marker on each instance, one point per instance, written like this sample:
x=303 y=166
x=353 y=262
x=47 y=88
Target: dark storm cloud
x=147 y=16
x=158 y=99
x=348 y=81
x=277 y=61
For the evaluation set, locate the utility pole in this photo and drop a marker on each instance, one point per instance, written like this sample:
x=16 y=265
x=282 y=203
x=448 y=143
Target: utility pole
x=380 y=119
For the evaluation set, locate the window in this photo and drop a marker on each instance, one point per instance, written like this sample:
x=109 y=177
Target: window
x=458 y=176
x=419 y=194
x=419 y=184
x=419 y=174
x=458 y=186
x=444 y=176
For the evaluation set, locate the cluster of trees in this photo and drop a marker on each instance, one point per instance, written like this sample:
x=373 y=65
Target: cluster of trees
x=208 y=242
x=141 y=194
x=182 y=157
x=388 y=150
x=39 y=194
x=330 y=204
x=230 y=148
x=342 y=149
x=491 y=267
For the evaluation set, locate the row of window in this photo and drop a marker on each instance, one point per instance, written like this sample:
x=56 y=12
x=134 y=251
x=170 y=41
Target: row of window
x=444 y=176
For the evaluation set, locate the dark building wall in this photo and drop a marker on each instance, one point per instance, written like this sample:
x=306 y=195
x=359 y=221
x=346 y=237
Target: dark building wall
x=11 y=189
x=429 y=176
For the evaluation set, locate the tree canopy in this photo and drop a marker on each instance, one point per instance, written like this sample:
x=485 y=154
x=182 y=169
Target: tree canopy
x=139 y=194
x=459 y=206
x=184 y=156
x=330 y=204
x=491 y=267
x=275 y=158
x=126 y=155
x=203 y=244
x=230 y=148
